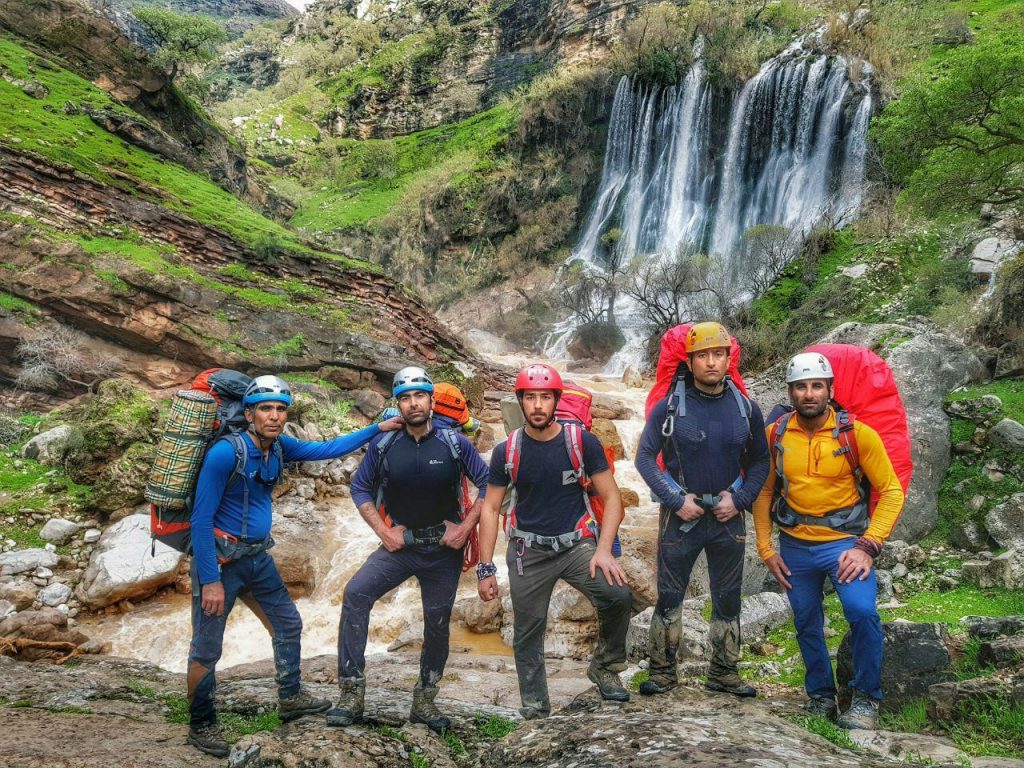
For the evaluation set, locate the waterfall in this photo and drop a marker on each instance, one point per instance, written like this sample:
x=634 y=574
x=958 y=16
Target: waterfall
x=693 y=167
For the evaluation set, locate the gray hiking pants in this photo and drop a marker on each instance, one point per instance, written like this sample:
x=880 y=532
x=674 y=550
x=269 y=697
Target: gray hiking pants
x=531 y=594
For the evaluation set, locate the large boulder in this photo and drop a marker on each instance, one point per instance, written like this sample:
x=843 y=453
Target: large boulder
x=1005 y=522
x=1007 y=435
x=25 y=560
x=1002 y=652
x=1005 y=570
x=58 y=531
x=478 y=616
x=605 y=431
x=763 y=612
x=986 y=627
x=300 y=549
x=947 y=700
x=127 y=565
x=915 y=657
x=50 y=447
x=927 y=367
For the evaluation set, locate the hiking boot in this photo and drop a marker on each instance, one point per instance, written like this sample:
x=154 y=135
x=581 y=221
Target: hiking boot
x=821 y=705
x=209 y=739
x=425 y=711
x=730 y=684
x=863 y=713
x=534 y=713
x=302 y=703
x=609 y=685
x=349 y=708
x=657 y=684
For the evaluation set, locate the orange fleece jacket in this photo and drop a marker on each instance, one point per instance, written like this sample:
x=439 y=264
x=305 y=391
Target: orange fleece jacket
x=820 y=482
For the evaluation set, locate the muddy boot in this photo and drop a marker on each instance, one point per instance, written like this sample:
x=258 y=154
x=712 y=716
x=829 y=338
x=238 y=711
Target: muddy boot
x=425 y=711
x=821 y=705
x=349 y=708
x=302 y=703
x=725 y=656
x=863 y=713
x=663 y=647
x=209 y=739
x=609 y=684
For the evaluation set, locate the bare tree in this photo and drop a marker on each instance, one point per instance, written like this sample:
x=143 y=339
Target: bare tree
x=61 y=355
x=767 y=249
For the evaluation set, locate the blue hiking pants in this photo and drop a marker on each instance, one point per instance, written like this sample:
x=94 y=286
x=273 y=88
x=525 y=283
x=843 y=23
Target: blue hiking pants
x=437 y=569
x=810 y=563
x=254 y=580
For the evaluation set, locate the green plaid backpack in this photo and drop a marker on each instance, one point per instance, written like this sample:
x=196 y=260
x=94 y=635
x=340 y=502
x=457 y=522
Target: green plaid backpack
x=211 y=410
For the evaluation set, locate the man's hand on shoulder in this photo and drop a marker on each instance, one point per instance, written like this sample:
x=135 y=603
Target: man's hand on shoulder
x=390 y=425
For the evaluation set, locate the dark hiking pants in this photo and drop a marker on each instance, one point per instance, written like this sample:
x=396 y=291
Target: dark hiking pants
x=254 y=580
x=531 y=594
x=677 y=552
x=437 y=569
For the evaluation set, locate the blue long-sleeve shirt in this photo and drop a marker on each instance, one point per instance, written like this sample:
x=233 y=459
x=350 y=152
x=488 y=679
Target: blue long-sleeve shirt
x=217 y=506
x=423 y=481
x=708 y=449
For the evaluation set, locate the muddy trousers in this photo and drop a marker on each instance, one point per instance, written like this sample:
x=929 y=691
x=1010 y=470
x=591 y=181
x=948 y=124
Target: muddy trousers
x=531 y=594
x=255 y=581
x=811 y=563
x=724 y=544
x=437 y=569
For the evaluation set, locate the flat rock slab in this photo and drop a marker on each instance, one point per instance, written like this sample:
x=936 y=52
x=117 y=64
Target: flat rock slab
x=686 y=727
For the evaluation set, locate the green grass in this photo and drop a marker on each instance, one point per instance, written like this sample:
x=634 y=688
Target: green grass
x=16 y=304
x=638 y=679
x=992 y=727
x=292 y=347
x=912 y=717
x=953 y=605
x=828 y=730
x=455 y=746
x=466 y=145
x=495 y=727
x=416 y=760
x=387 y=730
x=27 y=484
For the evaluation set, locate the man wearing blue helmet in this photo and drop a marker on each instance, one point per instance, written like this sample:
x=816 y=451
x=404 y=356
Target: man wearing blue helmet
x=409 y=490
x=231 y=519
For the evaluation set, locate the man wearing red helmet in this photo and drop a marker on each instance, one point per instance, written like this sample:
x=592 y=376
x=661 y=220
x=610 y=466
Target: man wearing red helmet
x=552 y=536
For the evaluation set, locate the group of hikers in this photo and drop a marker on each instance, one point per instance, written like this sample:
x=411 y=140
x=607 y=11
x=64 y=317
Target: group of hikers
x=706 y=455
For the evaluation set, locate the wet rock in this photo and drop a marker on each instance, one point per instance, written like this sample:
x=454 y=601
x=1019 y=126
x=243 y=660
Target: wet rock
x=1005 y=522
x=1007 y=435
x=609 y=407
x=639 y=561
x=632 y=378
x=761 y=613
x=52 y=446
x=55 y=594
x=26 y=560
x=606 y=432
x=58 y=530
x=122 y=567
x=915 y=656
x=300 y=549
x=478 y=616
x=989 y=627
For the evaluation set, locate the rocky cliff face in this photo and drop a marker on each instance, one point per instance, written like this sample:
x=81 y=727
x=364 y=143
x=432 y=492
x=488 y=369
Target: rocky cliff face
x=166 y=327
x=95 y=49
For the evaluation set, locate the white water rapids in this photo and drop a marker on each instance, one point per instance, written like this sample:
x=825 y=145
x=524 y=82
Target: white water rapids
x=159 y=630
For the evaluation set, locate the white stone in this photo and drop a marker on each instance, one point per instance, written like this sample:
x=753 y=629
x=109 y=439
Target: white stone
x=92 y=535
x=990 y=253
x=1008 y=435
x=55 y=594
x=22 y=560
x=50 y=446
x=122 y=566
x=763 y=612
x=43 y=573
x=855 y=271
x=58 y=530
x=49 y=547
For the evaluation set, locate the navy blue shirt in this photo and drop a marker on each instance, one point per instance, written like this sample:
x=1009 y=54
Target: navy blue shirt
x=549 y=499
x=708 y=448
x=218 y=506
x=424 y=480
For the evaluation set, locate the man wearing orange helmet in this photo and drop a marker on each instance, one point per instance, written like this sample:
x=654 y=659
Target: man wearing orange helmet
x=551 y=535
x=716 y=455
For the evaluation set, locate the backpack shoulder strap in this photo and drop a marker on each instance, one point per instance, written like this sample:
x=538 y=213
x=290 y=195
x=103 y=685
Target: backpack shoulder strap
x=238 y=473
x=846 y=435
x=513 y=452
x=574 y=445
x=742 y=401
x=775 y=434
x=382 y=447
x=676 y=406
x=449 y=438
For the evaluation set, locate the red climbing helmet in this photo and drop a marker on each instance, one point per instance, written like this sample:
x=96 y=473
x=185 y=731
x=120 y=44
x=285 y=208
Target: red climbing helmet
x=538 y=376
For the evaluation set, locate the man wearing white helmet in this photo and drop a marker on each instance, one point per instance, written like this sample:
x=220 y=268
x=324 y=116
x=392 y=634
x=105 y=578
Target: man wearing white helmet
x=816 y=493
x=409 y=490
x=230 y=537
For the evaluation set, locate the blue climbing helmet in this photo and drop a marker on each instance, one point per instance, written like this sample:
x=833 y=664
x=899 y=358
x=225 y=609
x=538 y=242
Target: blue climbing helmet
x=410 y=378
x=264 y=388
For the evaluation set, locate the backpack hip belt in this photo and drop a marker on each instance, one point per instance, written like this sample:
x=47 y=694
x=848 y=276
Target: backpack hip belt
x=555 y=543
x=852 y=520
x=230 y=548
x=431 y=535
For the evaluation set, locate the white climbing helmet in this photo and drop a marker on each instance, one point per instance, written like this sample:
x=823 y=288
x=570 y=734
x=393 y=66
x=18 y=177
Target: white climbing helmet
x=808 y=365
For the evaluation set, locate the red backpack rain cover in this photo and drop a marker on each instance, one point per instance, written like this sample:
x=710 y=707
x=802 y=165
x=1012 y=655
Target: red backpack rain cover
x=865 y=387
x=673 y=352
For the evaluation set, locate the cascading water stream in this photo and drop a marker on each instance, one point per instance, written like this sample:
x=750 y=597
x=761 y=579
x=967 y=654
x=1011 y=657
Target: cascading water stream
x=690 y=168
